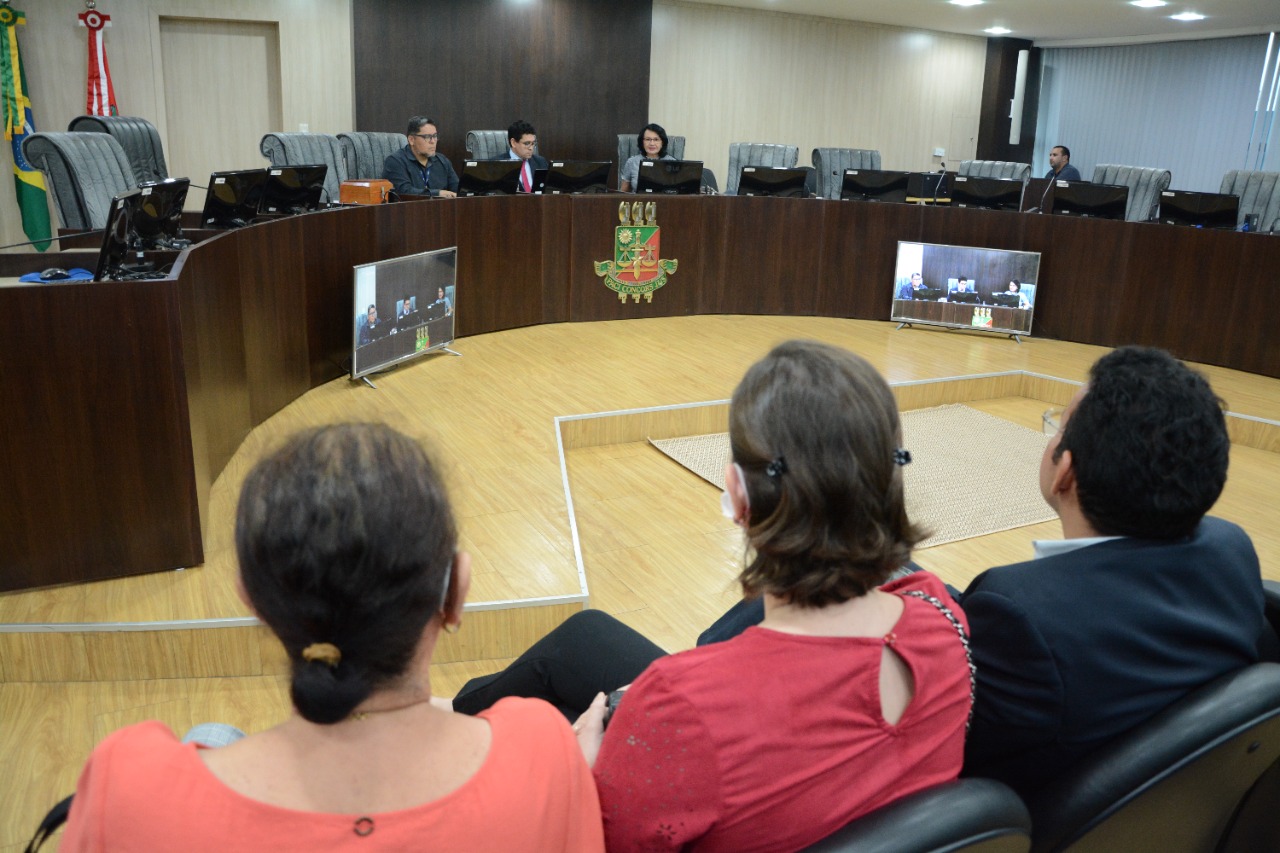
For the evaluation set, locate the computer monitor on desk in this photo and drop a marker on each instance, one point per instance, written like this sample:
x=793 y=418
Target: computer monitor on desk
x=986 y=193
x=1199 y=210
x=928 y=186
x=874 y=185
x=670 y=177
x=146 y=218
x=578 y=176
x=773 y=181
x=291 y=190
x=1095 y=201
x=233 y=198
x=496 y=177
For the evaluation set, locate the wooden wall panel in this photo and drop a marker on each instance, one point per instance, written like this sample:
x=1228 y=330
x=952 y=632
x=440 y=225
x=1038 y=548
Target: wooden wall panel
x=578 y=70
x=859 y=256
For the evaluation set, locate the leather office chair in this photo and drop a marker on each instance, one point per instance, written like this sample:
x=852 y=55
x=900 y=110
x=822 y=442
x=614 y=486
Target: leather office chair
x=830 y=164
x=488 y=145
x=970 y=815
x=308 y=149
x=365 y=152
x=137 y=136
x=994 y=169
x=627 y=147
x=1174 y=783
x=757 y=154
x=84 y=171
x=1145 y=185
x=1259 y=194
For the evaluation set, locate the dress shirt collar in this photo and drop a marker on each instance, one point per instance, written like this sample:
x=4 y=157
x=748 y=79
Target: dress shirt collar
x=1053 y=547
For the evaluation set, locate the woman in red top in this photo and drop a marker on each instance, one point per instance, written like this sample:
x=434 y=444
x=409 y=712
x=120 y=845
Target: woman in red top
x=347 y=551
x=850 y=693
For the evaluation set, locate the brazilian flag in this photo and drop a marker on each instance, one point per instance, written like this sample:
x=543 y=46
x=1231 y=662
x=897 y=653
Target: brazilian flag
x=15 y=110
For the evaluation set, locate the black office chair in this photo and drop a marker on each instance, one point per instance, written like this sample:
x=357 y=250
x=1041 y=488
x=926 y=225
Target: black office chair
x=969 y=815
x=1174 y=783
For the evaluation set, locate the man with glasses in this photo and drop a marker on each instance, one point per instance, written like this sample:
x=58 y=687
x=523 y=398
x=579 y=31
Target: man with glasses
x=417 y=169
x=522 y=139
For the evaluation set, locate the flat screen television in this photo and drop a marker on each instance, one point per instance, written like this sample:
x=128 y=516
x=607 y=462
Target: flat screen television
x=1199 y=210
x=1096 y=201
x=293 y=189
x=496 y=177
x=773 y=181
x=577 y=176
x=965 y=287
x=874 y=185
x=929 y=186
x=148 y=217
x=233 y=198
x=986 y=193
x=403 y=308
x=670 y=177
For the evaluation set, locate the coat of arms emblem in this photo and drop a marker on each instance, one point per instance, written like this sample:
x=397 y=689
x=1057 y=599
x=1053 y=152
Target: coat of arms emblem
x=636 y=269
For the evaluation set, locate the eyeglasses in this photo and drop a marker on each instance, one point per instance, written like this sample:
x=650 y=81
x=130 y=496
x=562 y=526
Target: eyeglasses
x=1051 y=422
x=528 y=144
x=430 y=137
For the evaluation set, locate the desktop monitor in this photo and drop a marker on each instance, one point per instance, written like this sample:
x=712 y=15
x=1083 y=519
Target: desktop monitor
x=578 y=176
x=1199 y=210
x=293 y=189
x=496 y=177
x=233 y=198
x=874 y=185
x=999 y=294
x=1095 y=201
x=773 y=181
x=929 y=186
x=148 y=217
x=670 y=177
x=986 y=193
x=403 y=308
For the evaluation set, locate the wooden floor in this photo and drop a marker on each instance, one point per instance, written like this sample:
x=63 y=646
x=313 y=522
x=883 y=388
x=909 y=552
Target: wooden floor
x=655 y=548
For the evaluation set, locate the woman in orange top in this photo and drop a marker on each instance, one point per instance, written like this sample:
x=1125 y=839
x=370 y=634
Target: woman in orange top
x=347 y=551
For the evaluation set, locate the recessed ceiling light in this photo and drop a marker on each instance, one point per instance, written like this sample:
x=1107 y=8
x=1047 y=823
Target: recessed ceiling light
x=997 y=31
x=1148 y=4
x=1188 y=16
x=966 y=2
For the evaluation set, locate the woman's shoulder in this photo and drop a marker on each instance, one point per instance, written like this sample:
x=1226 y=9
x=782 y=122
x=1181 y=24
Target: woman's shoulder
x=524 y=727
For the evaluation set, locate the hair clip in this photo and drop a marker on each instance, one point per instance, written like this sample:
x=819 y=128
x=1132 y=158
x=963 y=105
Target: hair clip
x=902 y=456
x=776 y=468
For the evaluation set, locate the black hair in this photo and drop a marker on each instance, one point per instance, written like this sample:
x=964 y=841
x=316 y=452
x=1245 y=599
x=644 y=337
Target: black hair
x=814 y=429
x=662 y=134
x=416 y=124
x=1017 y=285
x=518 y=129
x=345 y=536
x=1065 y=150
x=1148 y=444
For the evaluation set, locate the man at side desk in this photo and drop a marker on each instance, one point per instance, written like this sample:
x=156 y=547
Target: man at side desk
x=521 y=140
x=417 y=169
x=908 y=290
x=372 y=329
x=1060 y=168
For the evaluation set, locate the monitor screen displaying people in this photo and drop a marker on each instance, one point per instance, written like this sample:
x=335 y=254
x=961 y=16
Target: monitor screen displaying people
x=403 y=308
x=965 y=287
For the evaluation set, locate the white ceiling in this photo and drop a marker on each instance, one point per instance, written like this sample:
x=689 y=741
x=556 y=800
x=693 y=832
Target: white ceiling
x=1049 y=23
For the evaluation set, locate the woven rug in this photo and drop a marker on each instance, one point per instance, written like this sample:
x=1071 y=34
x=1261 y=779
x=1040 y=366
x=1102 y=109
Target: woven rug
x=971 y=473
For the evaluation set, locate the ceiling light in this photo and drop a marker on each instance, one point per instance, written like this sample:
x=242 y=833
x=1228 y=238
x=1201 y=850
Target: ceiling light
x=997 y=31
x=1148 y=4
x=1188 y=16
x=966 y=2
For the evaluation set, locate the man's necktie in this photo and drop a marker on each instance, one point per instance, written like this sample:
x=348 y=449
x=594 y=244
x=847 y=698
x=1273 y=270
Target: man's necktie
x=525 y=179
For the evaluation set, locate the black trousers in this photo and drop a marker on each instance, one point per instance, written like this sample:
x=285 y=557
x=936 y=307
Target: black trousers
x=589 y=653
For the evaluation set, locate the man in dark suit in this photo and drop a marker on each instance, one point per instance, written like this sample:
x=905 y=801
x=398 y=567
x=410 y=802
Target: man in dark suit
x=521 y=141
x=1144 y=599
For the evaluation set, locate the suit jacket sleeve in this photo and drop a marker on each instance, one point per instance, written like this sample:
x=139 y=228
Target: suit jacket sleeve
x=1019 y=705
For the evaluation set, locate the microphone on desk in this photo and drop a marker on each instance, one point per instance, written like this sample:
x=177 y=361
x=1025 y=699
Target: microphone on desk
x=942 y=174
x=1039 y=208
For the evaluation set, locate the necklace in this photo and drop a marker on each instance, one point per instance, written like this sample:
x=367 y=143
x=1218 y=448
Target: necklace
x=365 y=714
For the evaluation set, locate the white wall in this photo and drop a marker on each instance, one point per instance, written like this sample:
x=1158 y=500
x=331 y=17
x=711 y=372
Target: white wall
x=720 y=75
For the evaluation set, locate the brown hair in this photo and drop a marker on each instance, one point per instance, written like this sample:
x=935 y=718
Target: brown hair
x=345 y=539
x=829 y=522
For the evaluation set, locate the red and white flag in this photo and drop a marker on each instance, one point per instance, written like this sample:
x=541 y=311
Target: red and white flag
x=101 y=100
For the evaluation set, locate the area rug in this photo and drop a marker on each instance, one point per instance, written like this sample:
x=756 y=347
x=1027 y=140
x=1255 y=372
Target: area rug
x=971 y=473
